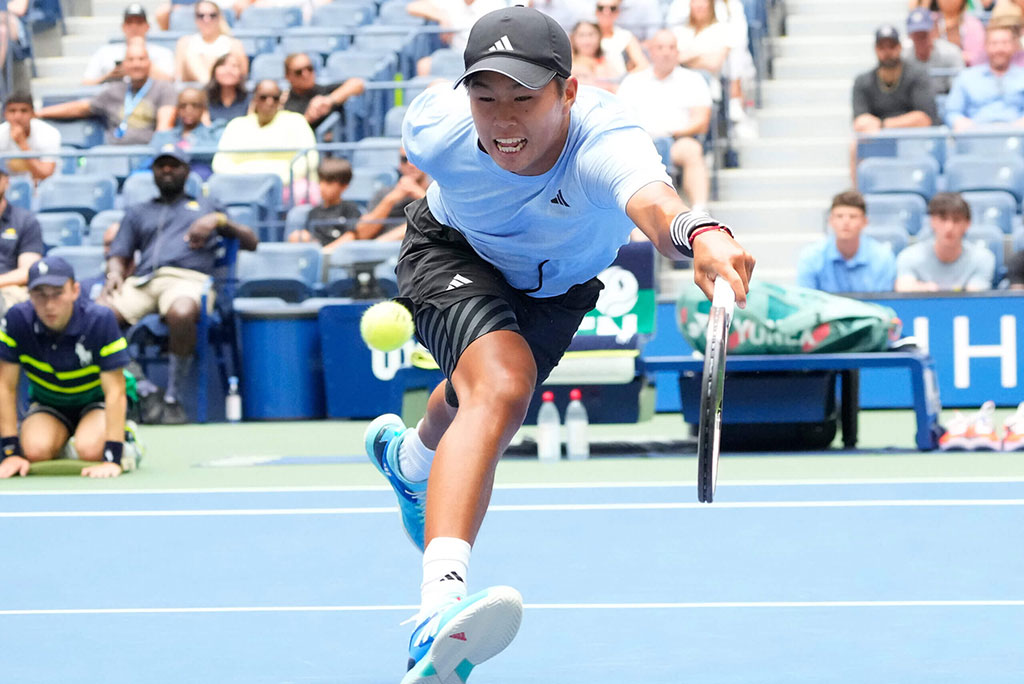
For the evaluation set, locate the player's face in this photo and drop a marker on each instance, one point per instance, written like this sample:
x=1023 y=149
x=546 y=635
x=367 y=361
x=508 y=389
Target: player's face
x=949 y=229
x=522 y=130
x=847 y=222
x=54 y=305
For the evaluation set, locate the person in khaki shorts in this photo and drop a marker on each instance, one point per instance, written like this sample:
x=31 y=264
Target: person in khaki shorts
x=21 y=245
x=173 y=234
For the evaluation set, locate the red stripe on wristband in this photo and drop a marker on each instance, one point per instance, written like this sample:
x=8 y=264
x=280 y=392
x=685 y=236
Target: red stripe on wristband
x=707 y=228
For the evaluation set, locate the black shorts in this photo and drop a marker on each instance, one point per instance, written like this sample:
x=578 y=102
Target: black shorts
x=70 y=416
x=456 y=297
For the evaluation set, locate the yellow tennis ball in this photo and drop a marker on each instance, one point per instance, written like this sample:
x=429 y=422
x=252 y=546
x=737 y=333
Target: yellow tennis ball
x=386 y=326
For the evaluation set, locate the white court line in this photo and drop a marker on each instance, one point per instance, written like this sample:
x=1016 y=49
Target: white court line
x=529 y=606
x=872 y=503
x=531 y=486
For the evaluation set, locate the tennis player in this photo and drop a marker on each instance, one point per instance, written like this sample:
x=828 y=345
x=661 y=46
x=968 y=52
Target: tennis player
x=73 y=354
x=537 y=183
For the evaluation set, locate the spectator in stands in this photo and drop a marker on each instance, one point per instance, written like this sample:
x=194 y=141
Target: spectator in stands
x=566 y=12
x=174 y=235
x=458 y=15
x=16 y=36
x=226 y=95
x=589 y=65
x=846 y=260
x=895 y=94
x=946 y=261
x=190 y=132
x=1015 y=271
x=106 y=63
x=133 y=109
x=77 y=355
x=958 y=26
x=307 y=97
x=990 y=93
x=621 y=48
x=333 y=221
x=21 y=245
x=268 y=128
x=931 y=52
x=673 y=103
x=23 y=132
x=195 y=54
x=386 y=218
x=703 y=40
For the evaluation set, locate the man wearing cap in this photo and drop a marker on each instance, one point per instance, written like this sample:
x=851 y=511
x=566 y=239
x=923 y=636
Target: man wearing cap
x=990 y=93
x=21 y=245
x=73 y=354
x=106 y=63
x=931 y=52
x=895 y=94
x=132 y=108
x=174 y=234
x=537 y=183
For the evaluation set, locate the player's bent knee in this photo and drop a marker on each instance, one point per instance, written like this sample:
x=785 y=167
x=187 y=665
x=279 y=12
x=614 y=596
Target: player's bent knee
x=37 y=451
x=89 y=451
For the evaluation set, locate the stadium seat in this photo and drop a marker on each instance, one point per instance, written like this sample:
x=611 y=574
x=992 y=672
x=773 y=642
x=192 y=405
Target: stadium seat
x=269 y=17
x=261 y=191
x=269 y=65
x=318 y=39
x=991 y=145
x=394 y=12
x=290 y=271
x=19 y=192
x=894 y=235
x=61 y=228
x=183 y=18
x=387 y=40
x=118 y=161
x=885 y=174
x=376 y=153
x=140 y=187
x=295 y=219
x=904 y=209
x=352 y=63
x=87 y=260
x=393 y=121
x=993 y=207
x=363 y=269
x=257 y=41
x=975 y=172
x=99 y=224
x=85 y=193
x=81 y=133
x=447 y=62
x=344 y=13
x=367 y=183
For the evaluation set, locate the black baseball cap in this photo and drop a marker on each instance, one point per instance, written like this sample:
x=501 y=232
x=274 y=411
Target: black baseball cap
x=50 y=271
x=174 y=152
x=135 y=10
x=887 y=32
x=519 y=42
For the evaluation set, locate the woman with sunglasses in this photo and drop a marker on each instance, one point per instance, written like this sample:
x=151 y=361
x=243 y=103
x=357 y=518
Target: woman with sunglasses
x=621 y=48
x=196 y=53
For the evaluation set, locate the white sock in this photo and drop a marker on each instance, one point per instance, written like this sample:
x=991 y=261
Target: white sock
x=414 y=458
x=445 y=569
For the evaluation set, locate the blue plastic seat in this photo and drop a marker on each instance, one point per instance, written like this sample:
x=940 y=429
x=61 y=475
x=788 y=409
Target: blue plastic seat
x=974 y=172
x=885 y=174
x=352 y=63
x=367 y=183
x=363 y=269
x=87 y=260
x=394 y=12
x=903 y=209
x=257 y=41
x=268 y=65
x=61 y=228
x=992 y=207
x=85 y=193
x=318 y=39
x=376 y=153
x=99 y=224
x=893 y=234
x=119 y=161
x=269 y=17
x=140 y=187
x=344 y=13
x=260 y=191
x=19 y=192
x=290 y=271
x=81 y=133
x=295 y=219
x=393 y=121
x=990 y=145
x=447 y=62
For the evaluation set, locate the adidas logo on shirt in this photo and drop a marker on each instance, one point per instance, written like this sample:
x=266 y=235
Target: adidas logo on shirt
x=457 y=281
x=558 y=199
x=501 y=44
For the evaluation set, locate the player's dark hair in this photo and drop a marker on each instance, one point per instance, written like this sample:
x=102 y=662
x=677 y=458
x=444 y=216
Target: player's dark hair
x=335 y=170
x=850 y=198
x=949 y=205
x=19 y=97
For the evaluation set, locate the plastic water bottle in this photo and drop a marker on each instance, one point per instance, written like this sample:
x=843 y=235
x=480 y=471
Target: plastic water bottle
x=577 y=444
x=233 y=402
x=549 y=430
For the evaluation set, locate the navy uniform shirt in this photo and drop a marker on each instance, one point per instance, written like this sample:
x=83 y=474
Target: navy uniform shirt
x=64 y=368
x=19 y=233
x=157 y=229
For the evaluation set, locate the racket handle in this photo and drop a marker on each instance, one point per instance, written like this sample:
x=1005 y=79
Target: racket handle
x=724 y=297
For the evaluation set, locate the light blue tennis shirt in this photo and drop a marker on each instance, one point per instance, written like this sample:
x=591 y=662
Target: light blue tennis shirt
x=571 y=219
x=871 y=269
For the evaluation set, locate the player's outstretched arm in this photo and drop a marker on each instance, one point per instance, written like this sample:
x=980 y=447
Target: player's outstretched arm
x=659 y=212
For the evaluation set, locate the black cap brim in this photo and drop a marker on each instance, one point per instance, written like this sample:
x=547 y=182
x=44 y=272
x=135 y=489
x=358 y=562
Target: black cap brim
x=527 y=74
x=54 y=280
x=170 y=156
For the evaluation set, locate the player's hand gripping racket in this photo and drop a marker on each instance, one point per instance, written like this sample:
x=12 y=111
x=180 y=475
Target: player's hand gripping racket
x=712 y=388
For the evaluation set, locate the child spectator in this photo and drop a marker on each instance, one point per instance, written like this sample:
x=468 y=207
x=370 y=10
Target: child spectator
x=333 y=221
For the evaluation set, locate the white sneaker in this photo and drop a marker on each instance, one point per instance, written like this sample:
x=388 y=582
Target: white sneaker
x=1013 y=430
x=981 y=433
x=955 y=437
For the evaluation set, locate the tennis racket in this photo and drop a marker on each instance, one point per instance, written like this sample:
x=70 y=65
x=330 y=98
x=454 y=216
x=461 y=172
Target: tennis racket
x=712 y=388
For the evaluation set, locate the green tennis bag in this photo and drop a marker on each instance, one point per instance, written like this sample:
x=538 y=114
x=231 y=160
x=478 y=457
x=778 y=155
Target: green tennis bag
x=793 y=320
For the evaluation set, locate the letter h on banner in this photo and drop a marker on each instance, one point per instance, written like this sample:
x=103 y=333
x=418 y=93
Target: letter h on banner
x=964 y=351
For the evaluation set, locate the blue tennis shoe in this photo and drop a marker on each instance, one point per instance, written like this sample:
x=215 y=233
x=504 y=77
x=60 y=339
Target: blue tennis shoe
x=382 y=439
x=447 y=645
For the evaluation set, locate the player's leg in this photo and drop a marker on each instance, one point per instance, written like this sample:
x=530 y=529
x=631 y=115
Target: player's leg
x=44 y=432
x=688 y=154
x=91 y=433
x=179 y=292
